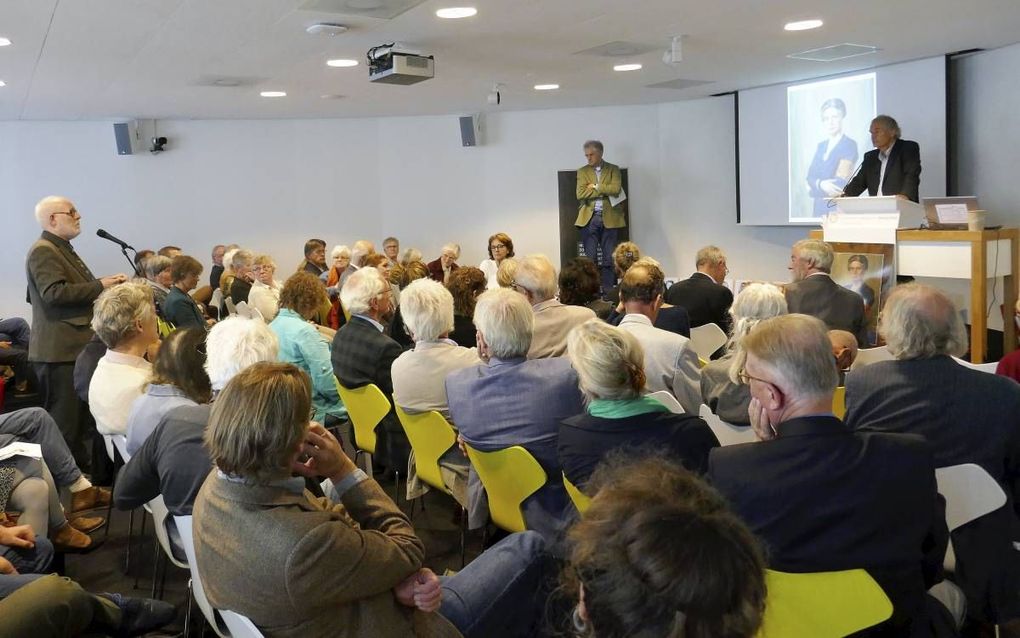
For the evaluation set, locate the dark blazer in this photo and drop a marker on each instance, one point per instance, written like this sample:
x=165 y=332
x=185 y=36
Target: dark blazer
x=361 y=355
x=214 y=276
x=61 y=289
x=902 y=172
x=436 y=270
x=585 y=440
x=825 y=498
x=239 y=290
x=704 y=300
x=464 y=332
x=819 y=296
x=967 y=416
x=181 y=310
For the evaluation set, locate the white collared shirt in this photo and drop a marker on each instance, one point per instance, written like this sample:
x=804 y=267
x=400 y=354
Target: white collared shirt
x=883 y=157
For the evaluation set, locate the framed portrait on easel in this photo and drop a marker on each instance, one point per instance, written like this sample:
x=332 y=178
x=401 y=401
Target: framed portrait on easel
x=869 y=271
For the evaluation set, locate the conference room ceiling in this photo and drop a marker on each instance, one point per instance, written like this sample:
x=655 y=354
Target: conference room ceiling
x=106 y=59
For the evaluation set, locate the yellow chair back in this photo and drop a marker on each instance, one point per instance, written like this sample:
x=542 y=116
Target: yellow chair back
x=580 y=499
x=164 y=327
x=366 y=407
x=839 y=402
x=431 y=436
x=509 y=475
x=822 y=604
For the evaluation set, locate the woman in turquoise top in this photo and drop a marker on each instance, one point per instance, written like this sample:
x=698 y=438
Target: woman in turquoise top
x=610 y=366
x=302 y=345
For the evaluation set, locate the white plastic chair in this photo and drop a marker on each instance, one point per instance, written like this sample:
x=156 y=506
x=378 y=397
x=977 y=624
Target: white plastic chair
x=726 y=433
x=157 y=508
x=867 y=356
x=184 y=528
x=666 y=398
x=120 y=442
x=231 y=308
x=216 y=301
x=970 y=493
x=240 y=626
x=980 y=367
x=707 y=339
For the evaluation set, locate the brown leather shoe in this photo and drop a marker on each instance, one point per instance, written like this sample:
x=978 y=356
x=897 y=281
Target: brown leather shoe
x=87 y=523
x=68 y=540
x=89 y=499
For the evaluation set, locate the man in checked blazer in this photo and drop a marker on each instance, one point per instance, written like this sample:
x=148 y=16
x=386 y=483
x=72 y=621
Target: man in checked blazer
x=597 y=218
x=61 y=289
x=362 y=353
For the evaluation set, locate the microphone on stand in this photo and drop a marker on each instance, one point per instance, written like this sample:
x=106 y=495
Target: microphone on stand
x=124 y=247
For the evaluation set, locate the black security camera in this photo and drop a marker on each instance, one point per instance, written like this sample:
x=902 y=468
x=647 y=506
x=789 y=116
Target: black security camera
x=157 y=145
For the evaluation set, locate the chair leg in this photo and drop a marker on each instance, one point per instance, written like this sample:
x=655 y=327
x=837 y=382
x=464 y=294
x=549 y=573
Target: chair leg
x=396 y=487
x=155 y=568
x=187 y=611
x=109 y=508
x=463 y=535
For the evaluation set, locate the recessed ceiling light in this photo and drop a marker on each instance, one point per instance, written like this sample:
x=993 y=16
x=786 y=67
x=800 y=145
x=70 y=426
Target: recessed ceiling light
x=4 y=42
x=342 y=63
x=452 y=13
x=626 y=67
x=2 y=83
x=273 y=94
x=332 y=96
x=546 y=87
x=803 y=25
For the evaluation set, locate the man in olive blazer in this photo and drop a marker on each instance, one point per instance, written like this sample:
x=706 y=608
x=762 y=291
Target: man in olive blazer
x=61 y=289
x=597 y=218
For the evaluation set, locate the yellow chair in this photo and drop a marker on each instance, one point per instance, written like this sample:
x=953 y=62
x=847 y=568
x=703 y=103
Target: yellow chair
x=822 y=604
x=366 y=407
x=702 y=362
x=839 y=402
x=580 y=499
x=164 y=327
x=510 y=476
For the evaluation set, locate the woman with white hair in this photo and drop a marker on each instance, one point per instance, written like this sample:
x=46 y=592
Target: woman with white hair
x=720 y=390
x=419 y=375
x=610 y=368
x=441 y=269
x=124 y=318
x=265 y=289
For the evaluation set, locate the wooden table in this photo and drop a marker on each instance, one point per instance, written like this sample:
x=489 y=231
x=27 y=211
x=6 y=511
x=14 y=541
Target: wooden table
x=964 y=254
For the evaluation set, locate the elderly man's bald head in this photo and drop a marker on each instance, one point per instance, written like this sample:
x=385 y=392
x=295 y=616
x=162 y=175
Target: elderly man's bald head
x=58 y=215
x=920 y=322
x=844 y=348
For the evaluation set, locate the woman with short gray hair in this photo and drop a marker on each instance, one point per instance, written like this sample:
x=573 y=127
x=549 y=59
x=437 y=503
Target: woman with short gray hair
x=610 y=366
x=419 y=375
x=724 y=394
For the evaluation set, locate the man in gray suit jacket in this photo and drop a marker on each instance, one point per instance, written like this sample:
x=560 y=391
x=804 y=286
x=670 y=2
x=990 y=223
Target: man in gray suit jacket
x=813 y=292
x=536 y=280
x=61 y=289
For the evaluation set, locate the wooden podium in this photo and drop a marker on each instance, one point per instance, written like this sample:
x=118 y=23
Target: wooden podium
x=977 y=256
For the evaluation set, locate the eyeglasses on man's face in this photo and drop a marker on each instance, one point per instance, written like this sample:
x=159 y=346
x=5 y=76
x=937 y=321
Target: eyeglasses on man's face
x=73 y=213
x=745 y=378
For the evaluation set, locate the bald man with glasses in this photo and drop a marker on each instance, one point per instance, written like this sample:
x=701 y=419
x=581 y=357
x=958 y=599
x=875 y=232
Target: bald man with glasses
x=61 y=289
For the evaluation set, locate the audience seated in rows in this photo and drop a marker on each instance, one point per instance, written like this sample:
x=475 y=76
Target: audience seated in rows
x=179 y=308
x=419 y=375
x=511 y=400
x=813 y=291
x=499 y=248
x=158 y=277
x=172 y=462
x=217 y=268
x=506 y=272
x=125 y=319
x=265 y=289
x=301 y=344
x=240 y=284
x=361 y=249
x=536 y=280
x=352 y=563
x=670 y=318
x=669 y=363
x=315 y=257
x=391 y=248
x=414 y=271
x=441 y=268
x=720 y=389
x=178 y=378
x=362 y=354
x=632 y=572
x=380 y=263
x=624 y=256
x=465 y=285
x=967 y=416
x=340 y=267
x=702 y=294
x=610 y=365
x=580 y=285
x=823 y=497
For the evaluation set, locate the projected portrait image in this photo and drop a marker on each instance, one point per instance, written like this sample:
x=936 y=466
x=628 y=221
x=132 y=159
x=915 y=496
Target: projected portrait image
x=826 y=121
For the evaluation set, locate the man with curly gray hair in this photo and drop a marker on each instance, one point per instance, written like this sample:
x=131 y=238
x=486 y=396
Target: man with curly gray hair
x=967 y=416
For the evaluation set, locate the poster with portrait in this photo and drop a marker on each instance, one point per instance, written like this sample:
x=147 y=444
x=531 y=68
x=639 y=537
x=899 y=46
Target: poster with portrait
x=827 y=133
x=866 y=269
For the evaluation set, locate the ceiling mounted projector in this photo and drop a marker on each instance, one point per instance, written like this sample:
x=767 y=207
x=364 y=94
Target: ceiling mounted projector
x=388 y=65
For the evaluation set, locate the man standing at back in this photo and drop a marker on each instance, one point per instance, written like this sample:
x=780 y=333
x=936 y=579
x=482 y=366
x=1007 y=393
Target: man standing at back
x=598 y=220
x=813 y=291
x=966 y=415
x=61 y=289
x=703 y=296
x=825 y=498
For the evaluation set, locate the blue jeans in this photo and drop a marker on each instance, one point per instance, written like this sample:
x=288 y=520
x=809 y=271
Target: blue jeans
x=595 y=235
x=15 y=330
x=503 y=591
x=30 y=563
x=35 y=425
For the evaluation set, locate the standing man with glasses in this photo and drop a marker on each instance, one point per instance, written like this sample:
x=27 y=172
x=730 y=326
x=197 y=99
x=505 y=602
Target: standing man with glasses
x=598 y=182
x=61 y=289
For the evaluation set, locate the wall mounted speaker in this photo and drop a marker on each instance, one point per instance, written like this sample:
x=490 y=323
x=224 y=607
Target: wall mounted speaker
x=126 y=136
x=469 y=133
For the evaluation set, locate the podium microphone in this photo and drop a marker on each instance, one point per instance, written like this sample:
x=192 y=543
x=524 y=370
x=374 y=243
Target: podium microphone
x=124 y=247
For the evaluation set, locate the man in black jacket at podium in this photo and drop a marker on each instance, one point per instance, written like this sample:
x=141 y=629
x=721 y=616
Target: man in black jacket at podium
x=893 y=168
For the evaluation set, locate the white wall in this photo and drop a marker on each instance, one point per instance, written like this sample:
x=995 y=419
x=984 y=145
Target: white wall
x=272 y=184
